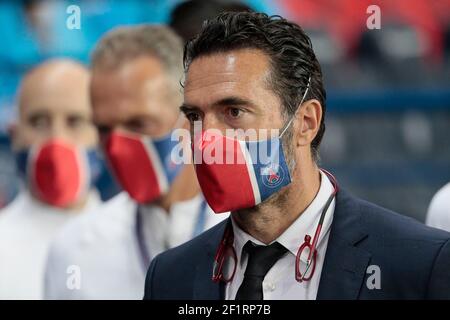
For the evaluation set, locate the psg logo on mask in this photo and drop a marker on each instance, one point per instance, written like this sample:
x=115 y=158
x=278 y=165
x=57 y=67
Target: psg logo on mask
x=272 y=175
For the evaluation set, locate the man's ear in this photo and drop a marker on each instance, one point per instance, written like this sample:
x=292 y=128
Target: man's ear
x=308 y=120
x=12 y=131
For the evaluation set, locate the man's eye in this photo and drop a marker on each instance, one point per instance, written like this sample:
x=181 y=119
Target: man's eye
x=76 y=122
x=142 y=126
x=234 y=112
x=192 y=116
x=103 y=130
x=39 y=122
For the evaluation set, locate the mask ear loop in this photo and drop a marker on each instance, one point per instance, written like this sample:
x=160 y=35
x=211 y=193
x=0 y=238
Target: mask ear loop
x=295 y=114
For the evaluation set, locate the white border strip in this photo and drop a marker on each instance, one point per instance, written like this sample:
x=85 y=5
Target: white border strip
x=251 y=171
x=158 y=167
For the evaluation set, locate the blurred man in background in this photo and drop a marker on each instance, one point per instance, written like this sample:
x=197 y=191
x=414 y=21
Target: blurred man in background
x=55 y=143
x=439 y=211
x=135 y=92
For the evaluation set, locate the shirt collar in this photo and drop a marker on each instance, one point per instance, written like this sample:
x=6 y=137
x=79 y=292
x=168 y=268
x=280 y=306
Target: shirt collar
x=241 y=238
x=305 y=224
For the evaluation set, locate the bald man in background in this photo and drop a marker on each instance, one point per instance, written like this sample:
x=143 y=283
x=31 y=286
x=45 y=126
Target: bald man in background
x=55 y=143
x=135 y=93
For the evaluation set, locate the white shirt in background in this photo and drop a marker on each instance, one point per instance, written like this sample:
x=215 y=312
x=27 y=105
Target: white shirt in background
x=27 y=227
x=104 y=247
x=279 y=283
x=439 y=211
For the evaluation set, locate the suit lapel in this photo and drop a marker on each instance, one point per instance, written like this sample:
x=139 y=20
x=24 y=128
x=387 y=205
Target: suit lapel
x=204 y=287
x=345 y=264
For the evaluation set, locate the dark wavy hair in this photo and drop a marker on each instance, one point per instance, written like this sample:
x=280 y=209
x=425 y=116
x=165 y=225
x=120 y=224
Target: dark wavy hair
x=289 y=49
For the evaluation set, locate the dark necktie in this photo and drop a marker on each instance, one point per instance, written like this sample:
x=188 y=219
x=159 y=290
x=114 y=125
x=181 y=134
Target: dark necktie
x=260 y=260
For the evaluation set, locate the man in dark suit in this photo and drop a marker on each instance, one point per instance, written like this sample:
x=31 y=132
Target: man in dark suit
x=250 y=71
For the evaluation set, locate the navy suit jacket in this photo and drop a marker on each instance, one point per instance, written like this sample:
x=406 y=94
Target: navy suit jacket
x=413 y=259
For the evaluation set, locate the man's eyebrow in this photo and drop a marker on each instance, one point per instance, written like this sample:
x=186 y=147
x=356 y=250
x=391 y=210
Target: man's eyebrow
x=228 y=101
x=232 y=101
x=38 y=113
x=77 y=114
x=187 y=108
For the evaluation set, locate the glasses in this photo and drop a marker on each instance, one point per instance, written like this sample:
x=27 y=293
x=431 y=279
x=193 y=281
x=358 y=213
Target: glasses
x=222 y=270
x=305 y=271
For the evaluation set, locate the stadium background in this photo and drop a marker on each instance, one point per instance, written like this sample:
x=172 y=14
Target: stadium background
x=388 y=116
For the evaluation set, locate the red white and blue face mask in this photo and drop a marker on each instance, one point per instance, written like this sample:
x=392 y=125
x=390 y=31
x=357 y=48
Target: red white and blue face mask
x=143 y=166
x=243 y=178
x=59 y=173
x=249 y=178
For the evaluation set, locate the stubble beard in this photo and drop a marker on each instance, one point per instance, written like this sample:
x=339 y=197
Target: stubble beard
x=280 y=199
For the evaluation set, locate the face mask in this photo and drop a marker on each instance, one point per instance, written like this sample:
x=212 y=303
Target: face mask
x=246 y=181
x=59 y=173
x=142 y=165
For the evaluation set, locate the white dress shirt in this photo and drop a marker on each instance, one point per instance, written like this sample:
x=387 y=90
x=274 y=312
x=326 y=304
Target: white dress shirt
x=27 y=227
x=279 y=282
x=439 y=211
x=105 y=248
